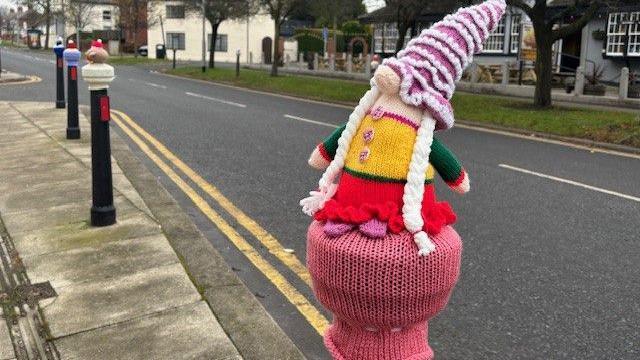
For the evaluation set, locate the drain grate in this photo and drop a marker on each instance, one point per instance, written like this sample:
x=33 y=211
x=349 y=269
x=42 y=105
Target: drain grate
x=19 y=305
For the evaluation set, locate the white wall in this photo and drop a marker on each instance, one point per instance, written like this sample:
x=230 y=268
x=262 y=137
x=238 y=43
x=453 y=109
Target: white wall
x=259 y=26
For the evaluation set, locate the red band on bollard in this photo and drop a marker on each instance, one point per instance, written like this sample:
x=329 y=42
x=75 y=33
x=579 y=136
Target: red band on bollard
x=59 y=62
x=74 y=73
x=104 y=109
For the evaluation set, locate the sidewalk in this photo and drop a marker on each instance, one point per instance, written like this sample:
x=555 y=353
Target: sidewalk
x=119 y=292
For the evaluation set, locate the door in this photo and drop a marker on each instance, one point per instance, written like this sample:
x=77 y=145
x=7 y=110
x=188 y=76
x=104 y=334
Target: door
x=267 y=45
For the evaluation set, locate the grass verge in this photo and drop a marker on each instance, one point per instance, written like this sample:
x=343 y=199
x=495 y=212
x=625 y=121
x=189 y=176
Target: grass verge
x=132 y=60
x=615 y=127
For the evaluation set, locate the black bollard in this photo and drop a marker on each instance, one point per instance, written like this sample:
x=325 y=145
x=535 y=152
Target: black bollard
x=99 y=75
x=58 y=50
x=238 y=63
x=103 y=213
x=72 y=57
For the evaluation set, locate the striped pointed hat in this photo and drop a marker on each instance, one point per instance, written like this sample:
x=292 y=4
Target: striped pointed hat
x=431 y=63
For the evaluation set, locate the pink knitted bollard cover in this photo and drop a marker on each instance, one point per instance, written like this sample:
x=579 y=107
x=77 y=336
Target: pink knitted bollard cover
x=380 y=291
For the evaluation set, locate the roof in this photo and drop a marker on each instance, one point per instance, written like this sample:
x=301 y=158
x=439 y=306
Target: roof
x=431 y=9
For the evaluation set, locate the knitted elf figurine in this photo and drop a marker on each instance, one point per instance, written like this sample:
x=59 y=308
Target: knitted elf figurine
x=361 y=248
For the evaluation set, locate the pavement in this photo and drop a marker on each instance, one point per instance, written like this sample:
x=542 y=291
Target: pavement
x=549 y=268
x=126 y=291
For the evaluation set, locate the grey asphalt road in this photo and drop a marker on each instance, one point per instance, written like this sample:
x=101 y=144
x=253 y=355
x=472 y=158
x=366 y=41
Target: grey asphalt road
x=551 y=266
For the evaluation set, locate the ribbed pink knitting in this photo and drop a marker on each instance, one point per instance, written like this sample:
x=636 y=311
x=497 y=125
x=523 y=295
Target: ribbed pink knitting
x=431 y=63
x=380 y=292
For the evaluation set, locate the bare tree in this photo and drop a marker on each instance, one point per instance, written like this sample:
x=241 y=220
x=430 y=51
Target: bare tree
x=218 y=11
x=548 y=24
x=80 y=14
x=42 y=7
x=279 y=11
x=135 y=15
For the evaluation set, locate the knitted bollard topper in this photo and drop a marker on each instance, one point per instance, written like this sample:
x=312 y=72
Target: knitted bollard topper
x=386 y=155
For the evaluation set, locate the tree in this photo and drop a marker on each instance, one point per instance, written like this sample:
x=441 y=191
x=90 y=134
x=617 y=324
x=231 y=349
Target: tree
x=549 y=27
x=135 y=15
x=279 y=11
x=217 y=11
x=79 y=13
x=42 y=7
x=406 y=13
x=331 y=12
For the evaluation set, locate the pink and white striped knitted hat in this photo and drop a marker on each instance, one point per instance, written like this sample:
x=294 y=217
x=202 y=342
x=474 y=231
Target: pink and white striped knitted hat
x=431 y=63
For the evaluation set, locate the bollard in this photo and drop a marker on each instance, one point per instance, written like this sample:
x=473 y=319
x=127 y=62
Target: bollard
x=332 y=62
x=349 y=64
x=99 y=75
x=58 y=50
x=315 y=61
x=474 y=73
x=580 y=80
x=238 y=63
x=174 y=58
x=505 y=73
x=367 y=66
x=72 y=57
x=301 y=61
x=623 y=90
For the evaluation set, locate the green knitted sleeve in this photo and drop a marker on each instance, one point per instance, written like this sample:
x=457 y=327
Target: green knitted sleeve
x=330 y=144
x=445 y=163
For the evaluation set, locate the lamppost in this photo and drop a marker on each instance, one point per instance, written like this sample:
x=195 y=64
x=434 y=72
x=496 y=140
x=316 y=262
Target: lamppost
x=204 y=38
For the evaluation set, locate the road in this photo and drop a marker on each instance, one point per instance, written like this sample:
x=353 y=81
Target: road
x=551 y=231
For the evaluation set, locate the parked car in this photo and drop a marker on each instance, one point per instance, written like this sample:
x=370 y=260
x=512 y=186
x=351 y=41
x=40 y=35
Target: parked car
x=143 y=50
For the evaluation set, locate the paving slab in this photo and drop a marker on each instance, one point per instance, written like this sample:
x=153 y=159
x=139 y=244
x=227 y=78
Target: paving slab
x=93 y=305
x=38 y=218
x=191 y=331
x=100 y=262
x=6 y=347
x=81 y=234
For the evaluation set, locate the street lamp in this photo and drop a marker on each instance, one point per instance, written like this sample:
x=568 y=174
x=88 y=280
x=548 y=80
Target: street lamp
x=204 y=39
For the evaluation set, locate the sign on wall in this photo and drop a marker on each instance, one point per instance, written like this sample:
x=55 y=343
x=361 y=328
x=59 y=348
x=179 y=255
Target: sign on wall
x=527 y=42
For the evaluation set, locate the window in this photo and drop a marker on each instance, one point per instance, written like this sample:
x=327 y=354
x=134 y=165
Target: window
x=516 y=22
x=615 y=34
x=377 y=37
x=221 y=43
x=388 y=34
x=175 y=41
x=634 y=35
x=106 y=15
x=175 y=11
x=495 y=42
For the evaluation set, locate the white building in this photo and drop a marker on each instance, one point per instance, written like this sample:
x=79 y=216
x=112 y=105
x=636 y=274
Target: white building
x=96 y=15
x=253 y=37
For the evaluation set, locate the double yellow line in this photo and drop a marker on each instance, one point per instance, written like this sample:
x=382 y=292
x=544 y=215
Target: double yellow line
x=304 y=306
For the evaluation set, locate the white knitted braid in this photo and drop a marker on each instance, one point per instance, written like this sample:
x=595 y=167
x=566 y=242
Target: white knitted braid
x=414 y=188
x=356 y=117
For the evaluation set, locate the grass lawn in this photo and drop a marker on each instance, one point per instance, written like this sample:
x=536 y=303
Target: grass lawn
x=132 y=60
x=606 y=126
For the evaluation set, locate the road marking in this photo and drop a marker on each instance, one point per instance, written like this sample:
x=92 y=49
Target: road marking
x=156 y=85
x=269 y=241
x=548 y=141
x=216 y=99
x=570 y=182
x=310 y=312
x=310 y=121
x=148 y=83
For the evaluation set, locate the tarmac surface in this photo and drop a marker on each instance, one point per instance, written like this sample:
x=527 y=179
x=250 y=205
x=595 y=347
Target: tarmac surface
x=552 y=246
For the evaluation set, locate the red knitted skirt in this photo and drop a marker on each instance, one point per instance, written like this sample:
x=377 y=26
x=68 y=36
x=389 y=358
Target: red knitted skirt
x=359 y=200
x=380 y=291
